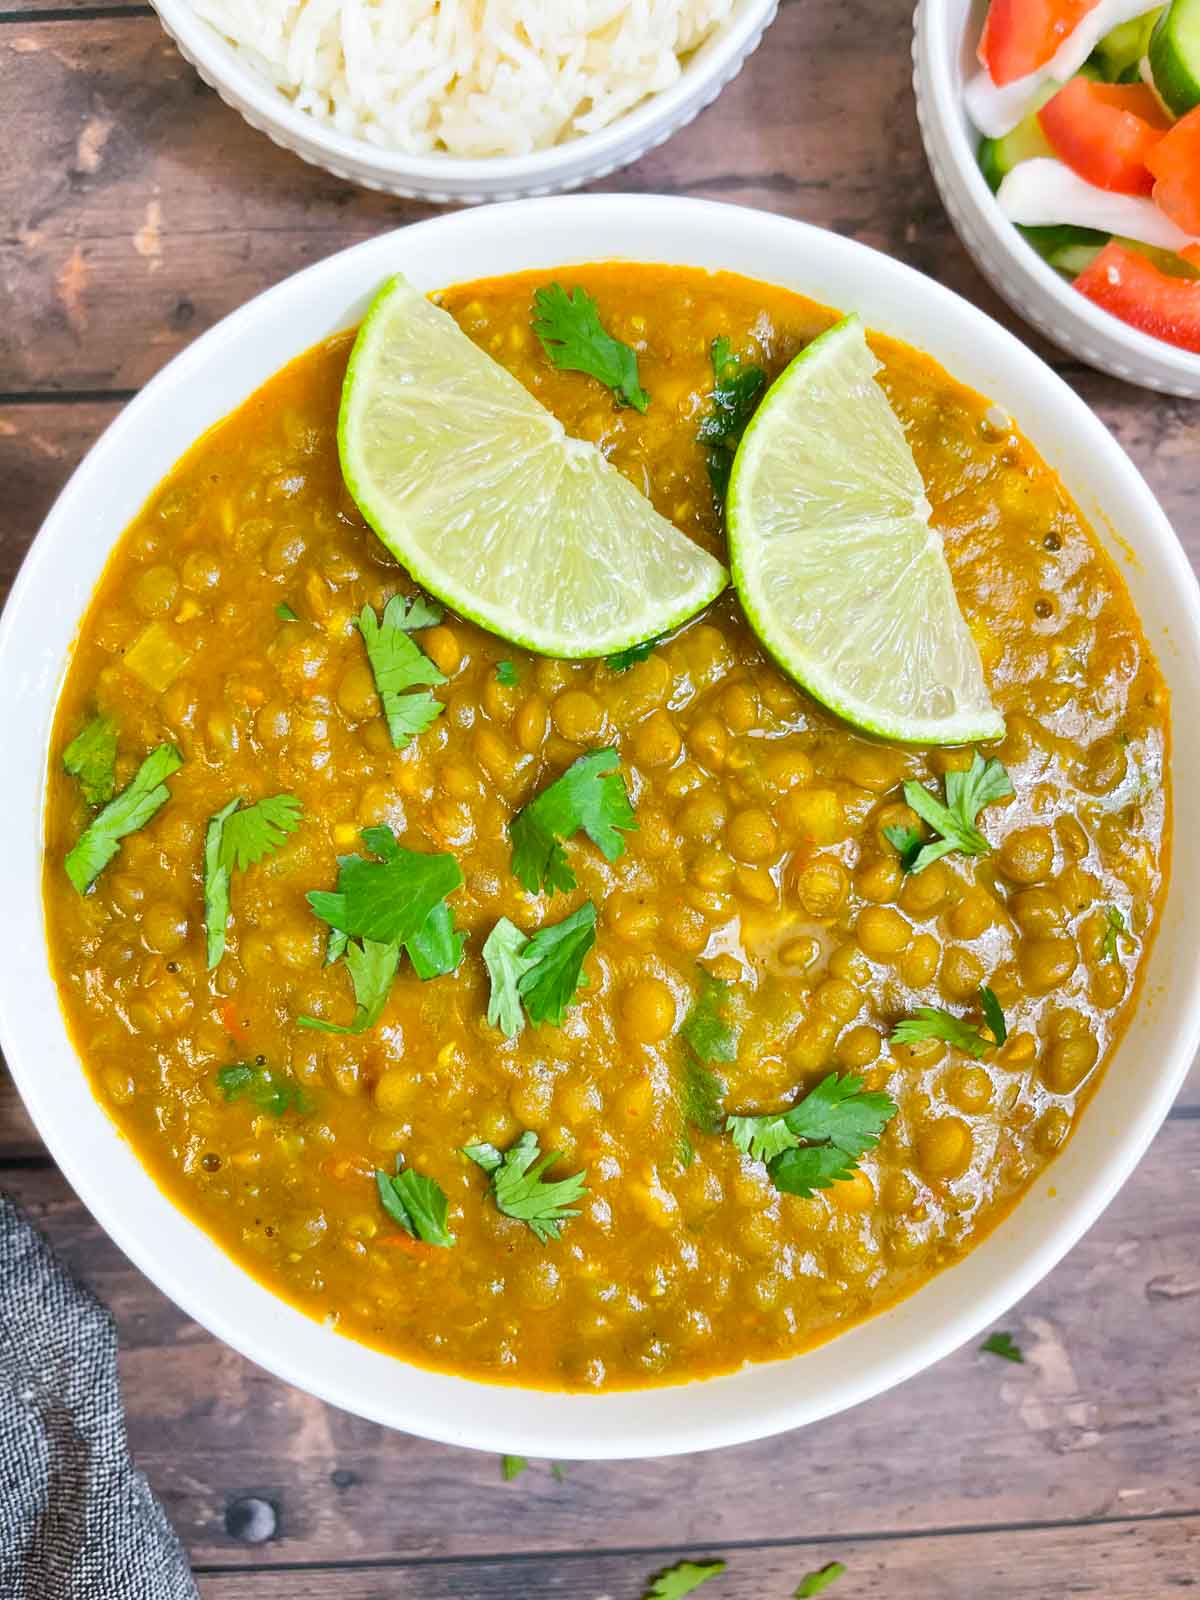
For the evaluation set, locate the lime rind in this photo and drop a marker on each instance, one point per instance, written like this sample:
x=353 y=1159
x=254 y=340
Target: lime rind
x=834 y=559
x=481 y=494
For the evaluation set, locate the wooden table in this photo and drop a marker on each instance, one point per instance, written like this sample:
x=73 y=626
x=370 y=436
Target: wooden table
x=136 y=211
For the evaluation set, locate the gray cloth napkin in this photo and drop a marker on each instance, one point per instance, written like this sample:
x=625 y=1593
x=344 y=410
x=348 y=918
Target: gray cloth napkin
x=77 y=1520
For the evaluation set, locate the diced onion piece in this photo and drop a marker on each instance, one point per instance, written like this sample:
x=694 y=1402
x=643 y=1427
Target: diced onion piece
x=155 y=657
x=1043 y=193
x=996 y=112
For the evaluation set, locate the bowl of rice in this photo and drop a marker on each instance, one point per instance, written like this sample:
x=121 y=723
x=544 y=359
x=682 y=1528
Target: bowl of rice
x=467 y=100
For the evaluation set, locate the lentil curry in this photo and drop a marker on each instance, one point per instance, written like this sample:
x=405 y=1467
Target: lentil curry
x=763 y=880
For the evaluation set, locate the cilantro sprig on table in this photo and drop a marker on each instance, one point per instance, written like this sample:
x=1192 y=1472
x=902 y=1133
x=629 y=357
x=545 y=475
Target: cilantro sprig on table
x=238 y=836
x=415 y=1203
x=1004 y=1346
x=264 y=1088
x=818 y=1142
x=132 y=809
x=575 y=340
x=542 y=973
x=707 y=1036
x=590 y=796
x=736 y=391
x=403 y=672
x=932 y=1022
x=91 y=757
x=381 y=908
x=521 y=1190
x=814 y=1583
x=955 y=821
x=682 y=1579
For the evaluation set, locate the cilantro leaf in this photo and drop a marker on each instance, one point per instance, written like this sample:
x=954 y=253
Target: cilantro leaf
x=908 y=844
x=1114 y=932
x=506 y=673
x=269 y=1091
x=705 y=1030
x=398 y=665
x=817 y=1582
x=735 y=394
x=575 y=340
x=415 y=1203
x=91 y=757
x=681 y=1579
x=520 y=1190
x=706 y=1037
x=554 y=975
x=437 y=949
x=372 y=968
x=931 y=1022
x=966 y=795
x=505 y=955
x=1004 y=1345
x=387 y=901
x=131 y=810
x=512 y=1467
x=238 y=837
x=285 y=613
x=818 y=1142
x=622 y=660
x=591 y=795
x=993 y=1013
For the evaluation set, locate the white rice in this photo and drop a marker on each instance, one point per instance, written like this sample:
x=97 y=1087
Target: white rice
x=467 y=77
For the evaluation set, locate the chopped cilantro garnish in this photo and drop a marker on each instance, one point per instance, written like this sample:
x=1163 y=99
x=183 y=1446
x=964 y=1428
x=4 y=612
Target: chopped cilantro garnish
x=91 y=757
x=966 y=795
x=399 y=665
x=681 y=1579
x=622 y=660
x=506 y=673
x=390 y=899
x=1114 y=932
x=131 y=810
x=437 y=948
x=706 y=1037
x=372 y=968
x=1002 y=1344
x=520 y=1190
x=544 y=973
x=735 y=394
x=415 y=1203
x=237 y=837
x=512 y=1467
x=269 y=1091
x=818 y=1142
x=572 y=335
x=817 y=1582
x=285 y=613
x=591 y=796
x=931 y=1022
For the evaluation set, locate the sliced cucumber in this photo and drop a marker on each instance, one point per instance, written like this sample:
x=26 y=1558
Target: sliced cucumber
x=1174 y=53
x=1119 y=53
x=997 y=157
x=1064 y=244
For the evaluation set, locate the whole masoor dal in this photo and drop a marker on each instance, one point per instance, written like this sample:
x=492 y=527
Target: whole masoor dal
x=760 y=857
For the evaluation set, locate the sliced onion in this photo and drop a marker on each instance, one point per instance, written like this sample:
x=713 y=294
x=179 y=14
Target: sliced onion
x=1043 y=193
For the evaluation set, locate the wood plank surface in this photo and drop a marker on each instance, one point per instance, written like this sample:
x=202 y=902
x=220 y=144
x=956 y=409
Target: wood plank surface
x=139 y=212
x=1100 y=1423
x=1150 y=1560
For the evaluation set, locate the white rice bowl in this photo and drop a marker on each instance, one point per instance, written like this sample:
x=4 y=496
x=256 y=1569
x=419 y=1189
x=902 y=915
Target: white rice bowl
x=466 y=78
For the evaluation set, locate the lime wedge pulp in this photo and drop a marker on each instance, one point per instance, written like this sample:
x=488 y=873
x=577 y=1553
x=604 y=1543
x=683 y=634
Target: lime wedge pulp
x=478 y=490
x=834 y=559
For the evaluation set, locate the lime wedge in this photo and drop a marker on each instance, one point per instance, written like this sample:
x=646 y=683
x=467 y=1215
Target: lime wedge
x=478 y=490
x=838 y=570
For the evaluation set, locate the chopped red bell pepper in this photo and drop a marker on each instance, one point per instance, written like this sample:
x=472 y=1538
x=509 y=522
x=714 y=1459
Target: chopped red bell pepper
x=1174 y=163
x=1106 y=131
x=1134 y=289
x=1020 y=36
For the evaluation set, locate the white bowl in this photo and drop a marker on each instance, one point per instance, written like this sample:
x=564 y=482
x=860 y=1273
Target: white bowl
x=36 y=632
x=444 y=178
x=947 y=32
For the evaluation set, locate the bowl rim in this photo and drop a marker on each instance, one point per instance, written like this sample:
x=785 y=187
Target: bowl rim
x=175 y=1253
x=939 y=24
x=222 y=65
